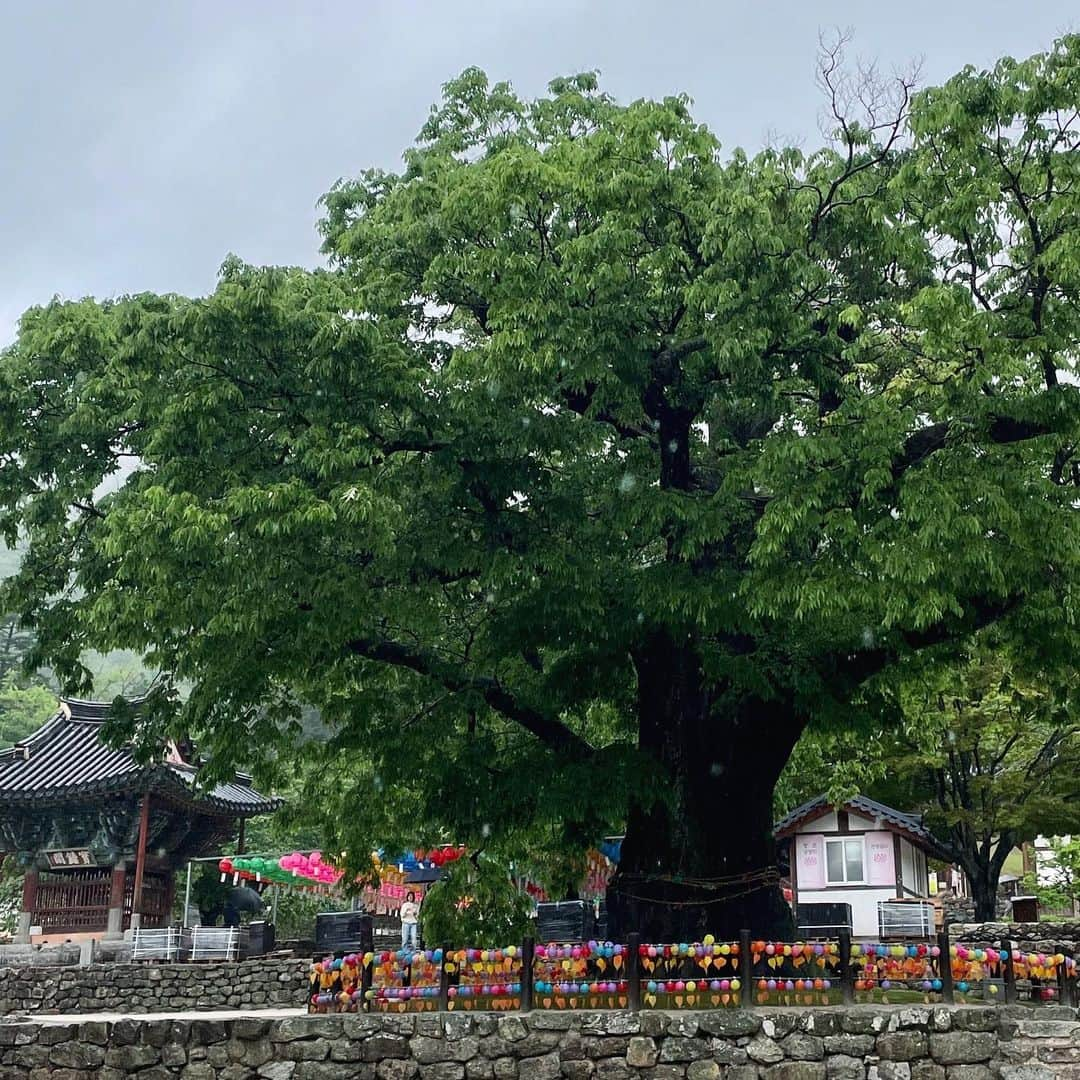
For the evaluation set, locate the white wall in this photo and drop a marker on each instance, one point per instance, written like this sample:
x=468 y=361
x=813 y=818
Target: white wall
x=864 y=902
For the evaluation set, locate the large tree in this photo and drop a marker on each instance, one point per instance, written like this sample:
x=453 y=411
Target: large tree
x=595 y=468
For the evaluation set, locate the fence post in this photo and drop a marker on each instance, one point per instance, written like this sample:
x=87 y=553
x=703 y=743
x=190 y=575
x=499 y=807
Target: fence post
x=527 y=955
x=746 y=970
x=1008 y=973
x=366 y=979
x=847 y=973
x=633 y=971
x=1064 y=987
x=444 y=980
x=945 y=967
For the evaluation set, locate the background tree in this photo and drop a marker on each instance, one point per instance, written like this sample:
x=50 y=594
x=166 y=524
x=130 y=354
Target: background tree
x=475 y=903
x=1056 y=881
x=991 y=761
x=596 y=469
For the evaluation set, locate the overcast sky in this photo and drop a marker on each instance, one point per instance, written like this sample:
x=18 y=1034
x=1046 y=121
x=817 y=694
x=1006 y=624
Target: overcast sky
x=141 y=142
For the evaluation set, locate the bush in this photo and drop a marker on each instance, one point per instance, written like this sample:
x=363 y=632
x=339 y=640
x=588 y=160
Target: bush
x=475 y=904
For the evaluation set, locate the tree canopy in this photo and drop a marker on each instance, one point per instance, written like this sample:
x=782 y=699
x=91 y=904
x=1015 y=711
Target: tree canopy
x=596 y=466
x=990 y=758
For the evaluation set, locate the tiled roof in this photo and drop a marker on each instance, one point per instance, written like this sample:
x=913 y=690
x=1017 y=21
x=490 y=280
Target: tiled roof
x=860 y=804
x=67 y=756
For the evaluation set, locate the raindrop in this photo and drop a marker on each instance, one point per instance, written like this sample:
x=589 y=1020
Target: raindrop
x=641 y=616
x=715 y=769
x=485 y=830
x=525 y=421
x=494 y=387
x=867 y=638
x=489 y=598
x=673 y=446
x=627 y=483
x=377 y=782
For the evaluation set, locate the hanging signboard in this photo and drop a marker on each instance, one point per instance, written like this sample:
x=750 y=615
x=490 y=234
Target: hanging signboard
x=69 y=857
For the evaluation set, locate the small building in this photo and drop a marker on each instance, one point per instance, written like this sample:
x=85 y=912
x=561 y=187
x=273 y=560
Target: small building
x=100 y=834
x=865 y=855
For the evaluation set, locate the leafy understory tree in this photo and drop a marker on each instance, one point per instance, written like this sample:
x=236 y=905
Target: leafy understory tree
x=595 y=469
x=990 y=757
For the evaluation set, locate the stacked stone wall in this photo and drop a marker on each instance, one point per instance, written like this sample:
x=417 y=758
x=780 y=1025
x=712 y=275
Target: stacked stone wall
x=915 y=1043
x=147 y=988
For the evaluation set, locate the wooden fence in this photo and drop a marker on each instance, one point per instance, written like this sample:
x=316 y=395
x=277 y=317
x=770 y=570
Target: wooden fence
x=737 y=974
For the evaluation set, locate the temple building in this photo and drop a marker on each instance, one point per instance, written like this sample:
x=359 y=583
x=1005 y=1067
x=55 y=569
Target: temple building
x=100 y=834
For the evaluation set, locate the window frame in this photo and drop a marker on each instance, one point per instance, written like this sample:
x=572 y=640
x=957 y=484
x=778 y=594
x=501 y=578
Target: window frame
x=843 y=841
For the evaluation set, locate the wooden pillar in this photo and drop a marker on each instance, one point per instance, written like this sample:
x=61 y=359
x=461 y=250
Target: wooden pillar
x=29 y=903
x=240 y=838
x=140 y=863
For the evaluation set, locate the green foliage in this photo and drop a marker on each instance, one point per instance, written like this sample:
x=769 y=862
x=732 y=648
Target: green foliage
x=838 y=764
x=595 y=469
x=11 y=885
x=1057 y=882
x=23 y=708
x=475 y=904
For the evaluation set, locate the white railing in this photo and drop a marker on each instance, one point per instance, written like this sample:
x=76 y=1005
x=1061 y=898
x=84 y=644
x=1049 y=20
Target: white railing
x=214 y=943
x=163 y=944
x=905 y=919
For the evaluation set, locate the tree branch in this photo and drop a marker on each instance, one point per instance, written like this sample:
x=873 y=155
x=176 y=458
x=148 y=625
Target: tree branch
x=551 y=732
x=858 y=666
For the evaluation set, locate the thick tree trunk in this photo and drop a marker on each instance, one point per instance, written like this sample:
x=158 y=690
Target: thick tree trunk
x=984 y=893
x=701 y=859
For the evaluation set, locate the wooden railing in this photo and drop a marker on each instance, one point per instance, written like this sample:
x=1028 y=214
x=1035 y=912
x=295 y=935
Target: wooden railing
x=77 y=901
x=74 y=902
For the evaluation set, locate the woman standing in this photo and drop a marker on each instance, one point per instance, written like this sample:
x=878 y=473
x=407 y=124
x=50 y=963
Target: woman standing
x=410 y=914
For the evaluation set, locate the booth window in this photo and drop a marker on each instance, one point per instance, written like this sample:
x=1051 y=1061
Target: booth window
x=844 y=861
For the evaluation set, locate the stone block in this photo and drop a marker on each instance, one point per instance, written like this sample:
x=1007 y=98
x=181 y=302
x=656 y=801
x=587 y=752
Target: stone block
x=381 y=1047
x=430 y=1051
x=797 y=1070
x=675 y=1049
x=764 y=1051
x=542 y=1020
x=616 y=1023
x=77 y=1055
x=849 y=1045
x=642 y=1052
x=894 y=1070
x=130 y=1058
x=731 y=1024
x=577 y=1070
x=962 y=1047
x=801 y=1047
x=609 y=1069
x=703 y=1070
x=843 y=1067
x=397 y=1070
x=682 y=1025
x=601 y=1046
x=903 y=1045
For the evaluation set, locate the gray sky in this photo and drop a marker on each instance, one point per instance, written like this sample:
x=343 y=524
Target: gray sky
x=141 y=142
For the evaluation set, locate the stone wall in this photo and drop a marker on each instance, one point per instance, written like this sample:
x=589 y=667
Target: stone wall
x=1031 y=937
x=141 y=988
x=827 y=1044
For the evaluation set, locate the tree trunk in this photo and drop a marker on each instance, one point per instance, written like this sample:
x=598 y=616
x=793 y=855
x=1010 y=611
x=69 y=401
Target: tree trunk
x=984 y=890
x=700 y=858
